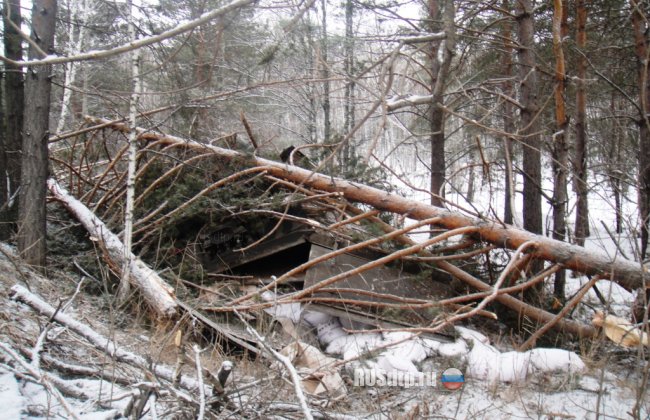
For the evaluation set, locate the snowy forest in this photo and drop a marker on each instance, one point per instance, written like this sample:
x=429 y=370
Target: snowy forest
x=267 y=209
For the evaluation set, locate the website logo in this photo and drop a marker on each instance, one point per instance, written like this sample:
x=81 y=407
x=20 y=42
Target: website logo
x=452 y=379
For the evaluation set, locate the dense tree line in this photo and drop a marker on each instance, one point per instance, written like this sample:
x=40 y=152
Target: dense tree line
x=545 y=103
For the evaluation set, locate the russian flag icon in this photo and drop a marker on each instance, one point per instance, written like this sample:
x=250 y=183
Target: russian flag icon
x=452 y=379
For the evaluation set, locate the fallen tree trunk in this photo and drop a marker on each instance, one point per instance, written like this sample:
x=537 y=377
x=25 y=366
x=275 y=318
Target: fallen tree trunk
x=521 y=308
x=625 y=272
x=156 y=292
x=567 y=325
x=21 y=294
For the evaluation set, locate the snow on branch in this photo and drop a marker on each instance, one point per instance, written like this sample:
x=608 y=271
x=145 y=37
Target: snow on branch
x=155 y=290
x=143 y=42
x=403 y=101
x=436 y=36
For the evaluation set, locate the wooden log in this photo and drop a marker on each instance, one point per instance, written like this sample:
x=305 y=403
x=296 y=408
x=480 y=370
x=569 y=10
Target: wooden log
x=158 y=294
x=625 y=272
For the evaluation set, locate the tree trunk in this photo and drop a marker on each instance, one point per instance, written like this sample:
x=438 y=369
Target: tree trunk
x=625 y=272
x=5 y=230
x=136 y=87
x=348 y=63
x=325 y=74
x=79 y=13
x=312 y=112
x=528 y=129
x=469 y=196
x=528 y=125
x=14 y=103
x=206 y=52
x=641 y=49
x=580 y=158
x=613 y=166
x=439 y=71
x=32 y=213
x=508 y=117
x=559 y=146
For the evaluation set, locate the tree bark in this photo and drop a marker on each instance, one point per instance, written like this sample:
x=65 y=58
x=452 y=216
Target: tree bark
x=508 y=118
x=528 y=125
x=439 y=71
x=559 y=146
x=641 y=49
x=136 y=87
x=78 y=13
x=325 y=74
x=614 y=173
x=32 y=212
x=348 y=63
x=580 y=159
x=14 y=103
x=529 y=130
x=436 y=115
x=625 y=272
x=5 y=230
x=312 y=62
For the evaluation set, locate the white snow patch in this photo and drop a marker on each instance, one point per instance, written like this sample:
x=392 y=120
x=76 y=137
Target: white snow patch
x=329 y=331
x=413 y=349
x=513 y=366
x=470 y=334
x=315 y=318
x=291 y=311
x=10 y=399
x=354 y=345
x=483 y=362
x=455 y=349
x=556 y=360
x=391 y=362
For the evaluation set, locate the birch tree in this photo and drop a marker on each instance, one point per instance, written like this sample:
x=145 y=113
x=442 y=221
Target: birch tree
x=77 y=28
x=136 y=88
x=325 y=74
x=348 y=64
x=4 y=198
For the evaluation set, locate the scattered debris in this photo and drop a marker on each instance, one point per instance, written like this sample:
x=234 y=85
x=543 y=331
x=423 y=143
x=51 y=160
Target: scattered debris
x=620 y=331
x=319 y=376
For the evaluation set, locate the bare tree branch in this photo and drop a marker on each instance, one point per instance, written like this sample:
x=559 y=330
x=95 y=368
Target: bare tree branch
x=143 y=42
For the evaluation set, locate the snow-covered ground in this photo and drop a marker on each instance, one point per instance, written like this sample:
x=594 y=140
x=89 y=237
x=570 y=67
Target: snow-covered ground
x=540 y=383
x=15 y=397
